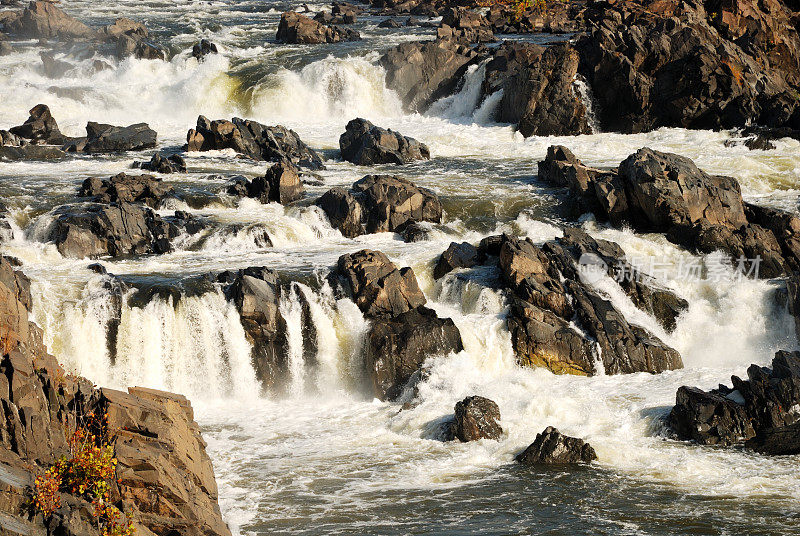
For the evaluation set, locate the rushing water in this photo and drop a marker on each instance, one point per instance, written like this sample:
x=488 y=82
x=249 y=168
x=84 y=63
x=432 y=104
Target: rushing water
x=325 y=458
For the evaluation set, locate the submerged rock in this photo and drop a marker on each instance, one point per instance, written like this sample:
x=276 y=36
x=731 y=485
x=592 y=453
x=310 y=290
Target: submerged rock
x=127 y=189
x=476 y=418
x=253 y=140
x=295 y=28
x=551 y=447
x=760 y=412
x=379 y=203
x=203 y=48
x=365 y=144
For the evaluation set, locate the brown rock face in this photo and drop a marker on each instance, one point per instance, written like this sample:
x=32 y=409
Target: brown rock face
x=476 y=418
x=295 y=28
x=45 y=20
x=465 y=25
x=366 y=144
x=281 y=184
x=164 y=478
x=40 y=127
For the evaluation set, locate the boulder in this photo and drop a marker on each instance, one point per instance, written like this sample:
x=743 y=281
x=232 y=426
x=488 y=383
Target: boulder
x=376 y=285
x=477 y=418
x=31 y=152
x=44 y=20
x=160 y=163
x=102 y=138
x=551 y=447
x=256 y=293
x=95 y=230
x=760 y=412
x=40 y=127
x=542 y=98
x=379 y=203
x=281 y=184
x=295 y=28
x=203 y=48
x=463 y=255
x=389 y=23
x=124 y=188
x=365 y=144
x=123 y=26
x=465 y=25
x=423 y=72
x=144 y=50
x=253 y=140
x=52 y=67
x=397 y=346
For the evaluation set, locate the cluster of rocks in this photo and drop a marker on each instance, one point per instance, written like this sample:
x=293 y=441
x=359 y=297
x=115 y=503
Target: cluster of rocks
x=254 y=140
x=760 y=412
x=340 y=13
x=403 y=333
x=161 y=163
x=365 y=144
x=295 y=28
x=667 y=193
x=281 y=184
x=163 y=479
x=379 y=203
x=558 y=320
x=465 y=25
x=553 y=17
x=124 y=188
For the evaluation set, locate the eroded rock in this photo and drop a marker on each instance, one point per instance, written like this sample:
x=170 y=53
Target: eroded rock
x=126 y=189
x=477 y=418
x=365 y=144
x=295 y=28
x=551 y=447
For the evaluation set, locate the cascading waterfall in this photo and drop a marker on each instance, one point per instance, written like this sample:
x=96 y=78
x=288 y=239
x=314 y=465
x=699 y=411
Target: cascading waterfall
x=585 y=94
x=466 y=104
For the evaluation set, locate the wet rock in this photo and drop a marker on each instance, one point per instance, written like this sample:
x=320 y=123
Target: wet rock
x=551 y=447
x=256 y=293
x=463 y=255
x=94 y=230
x=101 y=138
x=124 y=188
x=365 y=144
x=253 y=140
x=379 y=203
x=389 y=23
x=52 y=67
x=422 y=72
x=542 y=98
x=160 y=163
x=397 y=346
x=465 y=25
x=376 y=285
x=416 y=232
x=295 y=28
x=40 y=127
x=281 y=184
x=760 y=411
x=31 y=152
x=203 y=48
x=124 y=26
x=143 y=50
x=43 y=19
x=477 y=418
x=5 y=48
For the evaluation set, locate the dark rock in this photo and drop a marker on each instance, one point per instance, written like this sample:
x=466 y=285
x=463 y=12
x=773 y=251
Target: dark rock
x=254 y=140
x=463 y=255
x=416 y=232
x=40 y=127
x=31 y=152
x=477 y=418
x=365 y=144
x=397 y=346
x=379 y=203
x=144 y=50
x=281 y=184
x=465 y=25
x=124 y=188
x=295 y=28
x=94 y=230
x=375 y=284
x=111 y=139
x=203 y=48
x=123 y=26
x=551 y=447
x=390 y=23
x=760 y=411
x=160 y=163
x=43 y=19
x=6 y=48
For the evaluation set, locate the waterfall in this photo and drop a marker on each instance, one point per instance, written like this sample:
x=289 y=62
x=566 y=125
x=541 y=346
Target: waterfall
x=585 y=94
x=467 y=103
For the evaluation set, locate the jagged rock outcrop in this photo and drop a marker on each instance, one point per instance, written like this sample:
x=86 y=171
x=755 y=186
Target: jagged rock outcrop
x=124 y=188
x=760 y=412
x=253 y=140
x=553 y=17
x=464 y=25
x=43 y=20
x=94 y=230
x=40 y=127
x=422 y=72
x=203 y=48
x=542 y=99
x=160 y=163
x=163 y=479
x=476 y=418
x=558 y=321
x=295 y=28
x=403 y=333
x=256 y=293
x=379 y=203
x=102 y=138
x=365 y=144
x=463 y=255
x=281 y=184
x=551 y=447
x=706 y=65
x=664 y=192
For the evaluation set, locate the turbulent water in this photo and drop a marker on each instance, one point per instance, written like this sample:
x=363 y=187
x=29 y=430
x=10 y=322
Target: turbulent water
x=325 y=457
